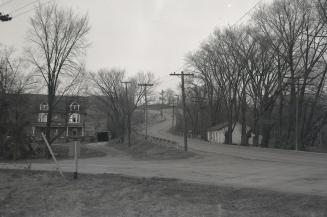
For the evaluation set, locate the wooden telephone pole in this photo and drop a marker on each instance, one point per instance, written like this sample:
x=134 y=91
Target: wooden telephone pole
x=182 y=75
x=145 y=85
x=162 y=102
x=128 y=113
x=174 y=106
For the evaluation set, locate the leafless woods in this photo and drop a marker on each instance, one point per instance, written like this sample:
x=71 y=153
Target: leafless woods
x=269 y=73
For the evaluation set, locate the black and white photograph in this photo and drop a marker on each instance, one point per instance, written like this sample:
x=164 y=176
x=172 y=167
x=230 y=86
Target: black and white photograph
x=163 y=108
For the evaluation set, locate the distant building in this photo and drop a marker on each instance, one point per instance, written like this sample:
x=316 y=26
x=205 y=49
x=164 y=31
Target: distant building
x=217 y=134
x=73 y=116
x=68 y=118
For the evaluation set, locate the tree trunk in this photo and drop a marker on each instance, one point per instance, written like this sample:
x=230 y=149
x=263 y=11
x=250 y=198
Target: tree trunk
x=292 y=105
x=49 y=120
x=266 y=136
x=129 y=129
x=230 y=125
x=255 y=125
x=279 y=138
x=244 y=137
x=266 y=129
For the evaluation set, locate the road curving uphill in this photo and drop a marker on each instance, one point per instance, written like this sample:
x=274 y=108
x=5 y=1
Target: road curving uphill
x=216 y=164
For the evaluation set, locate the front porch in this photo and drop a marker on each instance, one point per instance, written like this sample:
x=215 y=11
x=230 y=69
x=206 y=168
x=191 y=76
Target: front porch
x=71 y=130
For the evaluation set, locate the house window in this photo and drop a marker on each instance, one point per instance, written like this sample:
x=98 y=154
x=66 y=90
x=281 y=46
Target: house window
x=74 y=118
x=44 y=107
x=43 y=117
x=74 y=106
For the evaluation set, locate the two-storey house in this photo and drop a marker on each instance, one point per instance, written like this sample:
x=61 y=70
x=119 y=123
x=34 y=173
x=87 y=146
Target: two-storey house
x=68 y=119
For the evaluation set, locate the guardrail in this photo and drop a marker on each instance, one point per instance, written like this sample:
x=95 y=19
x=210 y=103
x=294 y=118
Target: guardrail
x=162 y=142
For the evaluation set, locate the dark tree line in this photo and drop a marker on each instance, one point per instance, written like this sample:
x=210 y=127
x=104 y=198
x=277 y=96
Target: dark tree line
x=269 y=74
x=13 y=115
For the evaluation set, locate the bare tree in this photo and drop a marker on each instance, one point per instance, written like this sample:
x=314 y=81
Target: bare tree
x=197 y=106
x=57 y=39
x=109 y=89
x=202 y=64
x=13 y=112
x=294 y=29
x=285 y=20
x=169 y=96
x=227 y=75
x=274 y=64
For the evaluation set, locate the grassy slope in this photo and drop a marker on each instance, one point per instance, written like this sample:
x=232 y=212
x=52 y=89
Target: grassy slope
x=62 y=151
x=27 y=193
x=144 y=150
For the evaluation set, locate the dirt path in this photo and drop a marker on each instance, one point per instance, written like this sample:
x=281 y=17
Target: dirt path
x=285 y=171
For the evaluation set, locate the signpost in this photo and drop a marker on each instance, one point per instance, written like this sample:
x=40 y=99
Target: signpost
x=76 y=152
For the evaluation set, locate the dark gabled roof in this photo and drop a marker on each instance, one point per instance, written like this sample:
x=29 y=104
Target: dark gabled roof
x=218 y=126
x=223 y=125
x=35 y=100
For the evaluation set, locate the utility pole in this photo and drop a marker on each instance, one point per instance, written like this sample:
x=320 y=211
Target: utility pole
x=297 y=117
x=145 y=85
x=162 y=102
x=173 y=118
x=199 y=101
x=128 y=113
x=5 y=17
x=174 y=106
x=182 y=75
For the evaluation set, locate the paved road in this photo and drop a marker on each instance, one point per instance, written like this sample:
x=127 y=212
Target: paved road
x=279 y=170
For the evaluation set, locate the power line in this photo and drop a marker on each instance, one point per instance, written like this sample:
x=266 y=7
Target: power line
x=246 y=13
x=182 y=75
x=24 y=6
x=173 y=106
x=5 y=17
x=145 y=85
x=6 y=2
x=162 y=102
x=25 y=12
x=128 y=112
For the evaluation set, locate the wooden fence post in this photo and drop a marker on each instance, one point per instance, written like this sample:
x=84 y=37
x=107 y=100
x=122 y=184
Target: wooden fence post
x=52 y=154
x=75 y=159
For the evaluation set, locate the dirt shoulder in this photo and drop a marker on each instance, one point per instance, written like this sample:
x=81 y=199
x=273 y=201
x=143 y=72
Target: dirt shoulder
x=86 y=151
x=63 y=151
x=27 y=193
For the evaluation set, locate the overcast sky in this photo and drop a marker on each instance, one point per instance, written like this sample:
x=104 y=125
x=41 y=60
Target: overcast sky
x=137 y=35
